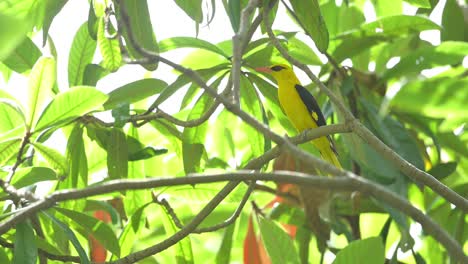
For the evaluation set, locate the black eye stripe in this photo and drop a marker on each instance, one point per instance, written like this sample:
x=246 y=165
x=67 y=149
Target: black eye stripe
x=277 y=68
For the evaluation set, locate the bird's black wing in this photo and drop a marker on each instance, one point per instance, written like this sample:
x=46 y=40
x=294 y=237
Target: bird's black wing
x=311 y=104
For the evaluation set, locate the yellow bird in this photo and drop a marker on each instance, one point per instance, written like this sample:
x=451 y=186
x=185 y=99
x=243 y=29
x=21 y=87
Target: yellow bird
x=301 y=108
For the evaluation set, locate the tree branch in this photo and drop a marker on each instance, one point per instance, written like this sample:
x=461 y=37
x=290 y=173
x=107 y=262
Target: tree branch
x=404 y=166
x=349 y=183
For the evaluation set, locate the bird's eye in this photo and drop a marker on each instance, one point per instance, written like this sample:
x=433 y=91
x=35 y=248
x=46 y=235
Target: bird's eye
x=277 y=68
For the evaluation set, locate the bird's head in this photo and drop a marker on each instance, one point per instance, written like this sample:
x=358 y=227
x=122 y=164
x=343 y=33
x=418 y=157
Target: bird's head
x=278 y=71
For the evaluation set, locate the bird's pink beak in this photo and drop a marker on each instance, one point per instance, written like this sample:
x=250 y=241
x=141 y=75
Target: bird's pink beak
x=263 y=69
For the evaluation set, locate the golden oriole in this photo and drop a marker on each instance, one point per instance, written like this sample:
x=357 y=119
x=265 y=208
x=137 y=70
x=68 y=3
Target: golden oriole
x=301 y=108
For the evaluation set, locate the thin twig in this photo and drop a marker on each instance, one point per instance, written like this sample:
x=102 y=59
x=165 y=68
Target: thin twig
x=404 y=166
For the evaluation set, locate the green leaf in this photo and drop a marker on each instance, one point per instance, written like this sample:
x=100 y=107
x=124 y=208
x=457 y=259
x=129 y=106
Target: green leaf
x=277 y=243
x=41 y=81
x=25 y=248
x=189 y=42
x=183 y=249
x=31 y=175
x=71 y=236
x=23 y=58
x=233 y=10
x=12 y=33
x=53 y=157
x=81 y=54
x=302 y=52
x=8 y=149
x=109 y=48
x=250 y=102
x=93 y=73
x=134 y=92
x=192 y=154
x=76 y=158
x=71 y=104
x=391 y=26
x=452 y=19
x=311 y=20
x=131 y=230
x=52 y=8
x=443 y=97
x=420 y=3
x=224 y=253
x=366 y=251
x=146 y=153
x=140 y=23
x=447 y=53
x=443 y=170
x=192 y=8
x=11 y=115
x=92 y=226
x=117 y=155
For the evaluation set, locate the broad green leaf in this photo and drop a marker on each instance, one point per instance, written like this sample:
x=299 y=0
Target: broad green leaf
x=109 y=48
x=189 y=42
x=31 y=11
x=192 y=154
x=420 y=3
x=224 y=253
x=203 y=59
x=52 y=8
x=452 y=21
x=387 y=8
x=277 y=243
x=92 y=226
x=70 y=104
x=233 y=10
x=134 y=92
x=447 y=53
x=23 y=58
x=53 y=157
x=117 y=155
x=353 y=46
x=192 y=8
x=92 y=21
x=11 y=115
x=81 y=54
x=132 y=230
x=443 y=97
x=25 y=248
x=41 y=81
x=250 y=102
x=311 y=20
x=8 y=149
x=71 y=236
x=183 y=249
x=93 y=73
x=12 y=33
x=443 y=170
x=31 y=175
x=76 y=158
x=302 y=52
x=140 y=22
x=366 y=251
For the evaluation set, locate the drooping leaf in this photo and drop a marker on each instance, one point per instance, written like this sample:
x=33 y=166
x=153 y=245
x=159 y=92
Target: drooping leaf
x=51 y=10
x=53 y=157
x=117 y=154
x=224 y=253
x=310 y=18
x=8 y=149
x=452 y=19
x=25 y=248
x=92 y=226
x=443 y=170
x=189 y=42
x=71 y=236
x=109 y=48
x=192 y=8
x=142 y=29
x=71 y=104
x=11 y=115
x=183 y=249
x=41 y=81
x=31 y=175
x=81 y=54
x=365 y=251
x=134 y=92
x=233 y=10
x=277 y=242
x=76 y=158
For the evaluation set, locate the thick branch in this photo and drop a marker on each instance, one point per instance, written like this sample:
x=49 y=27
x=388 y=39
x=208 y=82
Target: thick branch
x=404 y=166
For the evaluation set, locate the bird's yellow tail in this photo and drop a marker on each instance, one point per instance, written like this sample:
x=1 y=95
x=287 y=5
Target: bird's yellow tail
x=327 y=152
